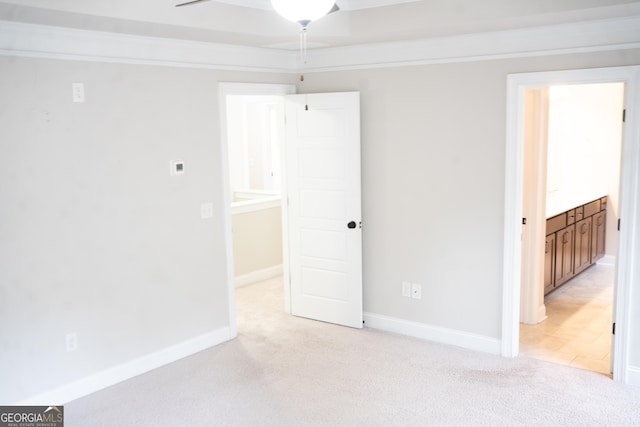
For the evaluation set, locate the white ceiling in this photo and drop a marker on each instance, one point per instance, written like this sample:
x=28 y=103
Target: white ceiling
x=254 y=23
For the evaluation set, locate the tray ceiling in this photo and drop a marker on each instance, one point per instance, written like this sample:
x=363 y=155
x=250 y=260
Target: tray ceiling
x=254 y=23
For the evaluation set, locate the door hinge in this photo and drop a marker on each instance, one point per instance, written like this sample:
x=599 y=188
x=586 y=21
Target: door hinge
x=624 y=115
x=618 y=224
x=524 y=221
x=613 y=330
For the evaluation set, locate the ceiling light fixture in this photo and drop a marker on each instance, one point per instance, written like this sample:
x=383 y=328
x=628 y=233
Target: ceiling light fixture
x=302 y=11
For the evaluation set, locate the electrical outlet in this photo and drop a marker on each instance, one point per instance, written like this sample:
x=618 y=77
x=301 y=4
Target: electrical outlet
x=416 y=291
x=78 y=92
x=406 y=289
x=72 y=342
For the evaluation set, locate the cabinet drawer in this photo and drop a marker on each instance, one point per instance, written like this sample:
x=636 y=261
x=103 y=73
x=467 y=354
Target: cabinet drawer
x=603 y=203
x=571 y=216
x=591 y=208
x=579 y=213
x=556 y=223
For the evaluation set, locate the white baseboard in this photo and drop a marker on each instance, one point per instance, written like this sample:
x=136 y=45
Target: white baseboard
x=127 y=370
x=607 y=260
x=434 y=333
x=542 y=313
x=258 y=276
x=633 y=376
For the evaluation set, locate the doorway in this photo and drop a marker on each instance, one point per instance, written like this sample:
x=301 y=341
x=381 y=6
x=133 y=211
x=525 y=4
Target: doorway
x=572 y=140
x=628 y=240
x=250 y=154
x=321 y=218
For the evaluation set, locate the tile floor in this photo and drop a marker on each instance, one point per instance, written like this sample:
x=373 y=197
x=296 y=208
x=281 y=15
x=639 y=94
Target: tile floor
x=577 y=331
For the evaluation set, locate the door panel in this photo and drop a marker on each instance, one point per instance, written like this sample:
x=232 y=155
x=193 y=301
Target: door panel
x=323 y=188
x=598 y=236
x=549 y=263
x=583 y=245
x=564 y=254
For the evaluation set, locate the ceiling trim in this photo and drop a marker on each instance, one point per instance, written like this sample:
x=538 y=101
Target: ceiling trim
x=590 y=36
x=32 y=40
x=20 y=39
x=367 y=4
x=344 y=4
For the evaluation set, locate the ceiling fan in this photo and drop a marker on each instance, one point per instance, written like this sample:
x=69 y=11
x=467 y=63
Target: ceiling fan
x=300 y=11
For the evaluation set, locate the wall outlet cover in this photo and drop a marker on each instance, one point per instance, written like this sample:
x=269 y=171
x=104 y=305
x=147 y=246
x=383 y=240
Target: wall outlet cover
x=416 y=291
x=406 y=289
x=78 y=92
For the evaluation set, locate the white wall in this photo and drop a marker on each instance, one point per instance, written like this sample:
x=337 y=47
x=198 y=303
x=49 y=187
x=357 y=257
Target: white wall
x=253 y=142
x=433 y=147
x=96 y=237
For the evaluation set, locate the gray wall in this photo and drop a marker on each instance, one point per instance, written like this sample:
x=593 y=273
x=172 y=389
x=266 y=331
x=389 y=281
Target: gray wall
x=433 y=152
x=95 y=236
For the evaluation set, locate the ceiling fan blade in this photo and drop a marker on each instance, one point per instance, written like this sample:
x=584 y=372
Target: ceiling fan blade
x=190 y=3
x=335 y=8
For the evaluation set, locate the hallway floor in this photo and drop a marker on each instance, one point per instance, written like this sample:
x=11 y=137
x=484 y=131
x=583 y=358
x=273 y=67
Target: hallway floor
x=577 y=331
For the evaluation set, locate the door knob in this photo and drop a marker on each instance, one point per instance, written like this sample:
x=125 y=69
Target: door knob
x=352 y=224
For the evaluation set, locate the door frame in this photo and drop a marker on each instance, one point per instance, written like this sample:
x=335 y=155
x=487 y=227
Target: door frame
x=629 y=210
x=248 y=89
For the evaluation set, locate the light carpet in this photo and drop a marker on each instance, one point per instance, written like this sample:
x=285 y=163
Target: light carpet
x=288 y=371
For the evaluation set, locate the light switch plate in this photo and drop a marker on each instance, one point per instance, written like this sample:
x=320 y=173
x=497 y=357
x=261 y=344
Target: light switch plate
x=206 y=210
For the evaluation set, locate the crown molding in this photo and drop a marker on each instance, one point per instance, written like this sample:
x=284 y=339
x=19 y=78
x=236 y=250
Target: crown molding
x=590 y=36
x=21 y=39
x=368 y=4
x=344 y=4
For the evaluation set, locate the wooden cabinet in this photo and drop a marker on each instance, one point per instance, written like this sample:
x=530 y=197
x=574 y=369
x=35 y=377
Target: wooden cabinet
x=549 y=263
x=565 y=252
x=575 y=240
x=583 y=245
x=598 y=235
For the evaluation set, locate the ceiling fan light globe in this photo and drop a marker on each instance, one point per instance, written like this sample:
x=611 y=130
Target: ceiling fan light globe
x=302 y=10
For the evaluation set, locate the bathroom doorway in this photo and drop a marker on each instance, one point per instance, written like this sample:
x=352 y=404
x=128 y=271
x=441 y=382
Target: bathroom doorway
x=578 y=132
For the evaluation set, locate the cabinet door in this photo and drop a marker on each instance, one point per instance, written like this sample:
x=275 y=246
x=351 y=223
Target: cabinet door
x=598 y=236
x=565 y=245
x=583 y=245
x=549 y=262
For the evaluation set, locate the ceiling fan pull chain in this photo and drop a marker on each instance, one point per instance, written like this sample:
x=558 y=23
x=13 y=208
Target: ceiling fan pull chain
x=303 y=49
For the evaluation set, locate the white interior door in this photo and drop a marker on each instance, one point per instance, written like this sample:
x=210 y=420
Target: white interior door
x=324 y=212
